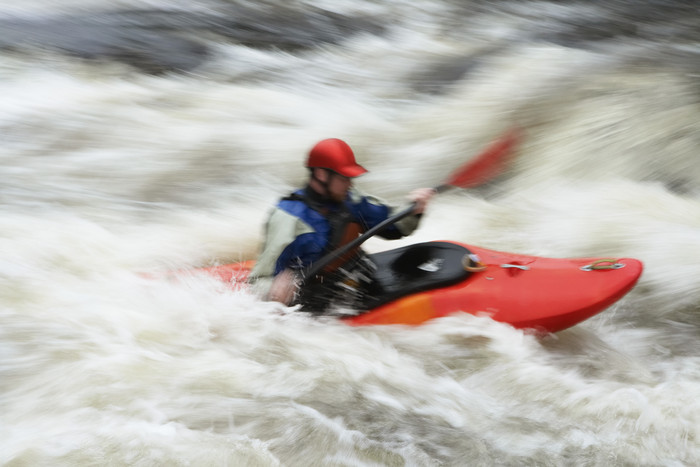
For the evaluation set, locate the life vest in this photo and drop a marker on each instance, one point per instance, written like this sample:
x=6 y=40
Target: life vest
x=344 y=228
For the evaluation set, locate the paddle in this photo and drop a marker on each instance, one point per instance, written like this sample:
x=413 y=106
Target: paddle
x=482 y=168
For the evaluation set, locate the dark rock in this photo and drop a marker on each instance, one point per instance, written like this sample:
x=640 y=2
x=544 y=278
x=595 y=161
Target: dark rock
x=156 y=41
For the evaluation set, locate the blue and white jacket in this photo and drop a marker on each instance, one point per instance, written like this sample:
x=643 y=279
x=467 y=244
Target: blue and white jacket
x=299 y=230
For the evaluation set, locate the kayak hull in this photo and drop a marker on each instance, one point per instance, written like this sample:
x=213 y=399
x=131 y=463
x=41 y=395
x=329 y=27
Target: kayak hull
x=527 y=292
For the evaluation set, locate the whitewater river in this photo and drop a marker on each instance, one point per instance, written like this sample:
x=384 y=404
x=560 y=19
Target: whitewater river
x=138 y=137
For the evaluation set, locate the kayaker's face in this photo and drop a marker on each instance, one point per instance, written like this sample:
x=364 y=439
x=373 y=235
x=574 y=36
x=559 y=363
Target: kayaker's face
x=338 y=186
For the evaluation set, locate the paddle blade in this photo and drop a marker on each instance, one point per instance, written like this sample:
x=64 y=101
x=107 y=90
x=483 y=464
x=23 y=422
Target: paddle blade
x=486 y=165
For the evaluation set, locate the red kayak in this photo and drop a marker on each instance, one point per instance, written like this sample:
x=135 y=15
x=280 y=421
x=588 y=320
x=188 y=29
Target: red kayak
x=428 y=280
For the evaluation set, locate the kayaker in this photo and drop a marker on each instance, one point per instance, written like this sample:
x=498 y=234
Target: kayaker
x=317 y=219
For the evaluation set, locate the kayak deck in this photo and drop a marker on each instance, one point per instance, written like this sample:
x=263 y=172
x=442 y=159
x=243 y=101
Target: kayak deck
x=550 y=294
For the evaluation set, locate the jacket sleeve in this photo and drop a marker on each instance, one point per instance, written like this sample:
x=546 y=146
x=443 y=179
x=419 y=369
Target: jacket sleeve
x=281 y=230
x=408 y=224
x=373 y=210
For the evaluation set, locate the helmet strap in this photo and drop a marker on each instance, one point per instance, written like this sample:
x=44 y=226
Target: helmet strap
x=321 y=183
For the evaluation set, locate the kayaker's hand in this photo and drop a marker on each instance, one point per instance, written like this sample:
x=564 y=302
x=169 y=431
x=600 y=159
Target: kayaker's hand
x=284 y=287
x=421 y=196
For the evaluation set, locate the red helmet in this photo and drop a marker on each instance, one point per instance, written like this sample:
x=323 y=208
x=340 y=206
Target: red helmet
x=336 y=155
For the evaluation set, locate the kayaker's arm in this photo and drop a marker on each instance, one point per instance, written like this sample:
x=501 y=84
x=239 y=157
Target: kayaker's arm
x=284 y=287
x=420 y=198
x=281 y=231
